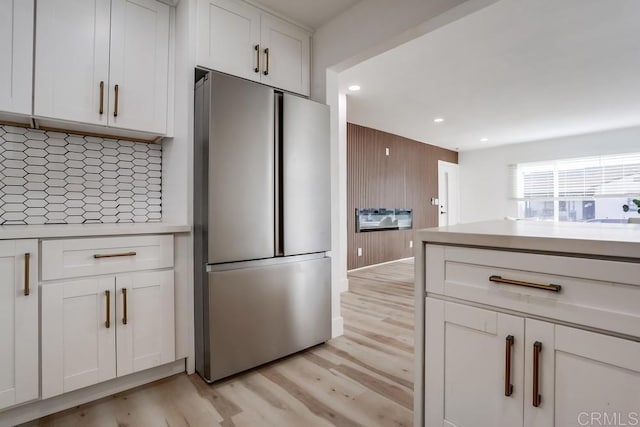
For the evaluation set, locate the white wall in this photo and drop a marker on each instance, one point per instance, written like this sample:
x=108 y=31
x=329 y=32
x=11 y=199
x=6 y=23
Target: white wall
x=484 y=175
x=363 y=31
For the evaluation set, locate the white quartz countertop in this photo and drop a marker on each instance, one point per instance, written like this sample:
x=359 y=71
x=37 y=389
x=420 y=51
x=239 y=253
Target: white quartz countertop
x=84 y=230
x=607 y=240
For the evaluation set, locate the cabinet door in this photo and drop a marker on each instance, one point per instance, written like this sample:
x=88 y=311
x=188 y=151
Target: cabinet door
x=286 y=63
x=18 y=322
x=145 y=318
x=228 y=35
x=16 y=51
x=469 y=390
x=585 y=378
x=72 y=60
x=78 y=334
x=139 y=66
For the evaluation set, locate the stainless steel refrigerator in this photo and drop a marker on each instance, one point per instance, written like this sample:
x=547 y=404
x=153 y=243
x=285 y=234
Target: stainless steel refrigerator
x=262 y=225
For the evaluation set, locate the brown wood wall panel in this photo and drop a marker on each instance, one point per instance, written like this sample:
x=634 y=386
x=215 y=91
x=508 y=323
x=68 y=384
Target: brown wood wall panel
x=407 y=178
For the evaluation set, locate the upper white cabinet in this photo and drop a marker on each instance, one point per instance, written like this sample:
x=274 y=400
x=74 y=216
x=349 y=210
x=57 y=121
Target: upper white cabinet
x=103 y=62
x=18 y=322
x=139 y=66
x=229 y=37
x=286 y=60
x=239 y=39
x=16 y=51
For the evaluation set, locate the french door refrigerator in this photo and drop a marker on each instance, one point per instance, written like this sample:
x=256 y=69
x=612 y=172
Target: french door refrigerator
x=261 y=223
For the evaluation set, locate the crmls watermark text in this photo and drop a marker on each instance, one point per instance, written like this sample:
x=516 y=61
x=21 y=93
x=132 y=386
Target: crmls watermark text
x=610 y=419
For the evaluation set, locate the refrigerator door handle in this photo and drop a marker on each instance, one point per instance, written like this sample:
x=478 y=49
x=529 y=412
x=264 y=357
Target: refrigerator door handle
x=279 y=221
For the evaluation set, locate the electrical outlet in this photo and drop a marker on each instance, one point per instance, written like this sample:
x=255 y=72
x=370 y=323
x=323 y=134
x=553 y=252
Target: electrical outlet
x=359 y=251
x=410 y=243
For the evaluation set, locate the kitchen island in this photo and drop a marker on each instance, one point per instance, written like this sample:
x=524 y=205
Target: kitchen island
x=524 y=323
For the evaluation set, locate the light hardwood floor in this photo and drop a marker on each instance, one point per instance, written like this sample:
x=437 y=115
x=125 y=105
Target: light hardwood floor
x=364 y=378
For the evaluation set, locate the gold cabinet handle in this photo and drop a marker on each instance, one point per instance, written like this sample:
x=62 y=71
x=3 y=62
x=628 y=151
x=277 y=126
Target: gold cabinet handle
x=27 y=261
x=537 y=398
x=101 y=97
x=257 y=49
x=115 y=108
x=107 y=323
x=550 y=287
x=508 y=387
x=266 y=70
x=124 y=306
x=123 y=254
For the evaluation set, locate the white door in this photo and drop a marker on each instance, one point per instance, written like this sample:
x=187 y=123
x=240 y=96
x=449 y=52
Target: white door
x=285 y=50
x=584 y=378
x=78 y=334
x=229 y=38
x=145 y=319
x=18 y=322
x=139 y=67
x=448 y=193
x=16 y=51
x=72 y=60
x=481 y=383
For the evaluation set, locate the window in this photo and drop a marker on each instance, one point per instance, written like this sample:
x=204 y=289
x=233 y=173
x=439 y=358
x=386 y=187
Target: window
x=589 y=189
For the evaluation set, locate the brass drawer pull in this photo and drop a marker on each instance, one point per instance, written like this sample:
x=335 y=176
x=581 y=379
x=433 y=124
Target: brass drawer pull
x=107 y=323
x=124 y=306
x=266 y=70
x=98 y=256
x=537 y=398
x=508 y=387
x=257 y=49
x=27 y=261
x=116 y=89
x=550 y=287
x=101 y=97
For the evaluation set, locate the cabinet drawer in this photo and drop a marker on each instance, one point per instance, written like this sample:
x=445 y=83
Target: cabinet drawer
x=67 y=258
x=598 y=293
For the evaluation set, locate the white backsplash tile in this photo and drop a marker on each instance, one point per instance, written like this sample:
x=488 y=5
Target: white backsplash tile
x=59 y=178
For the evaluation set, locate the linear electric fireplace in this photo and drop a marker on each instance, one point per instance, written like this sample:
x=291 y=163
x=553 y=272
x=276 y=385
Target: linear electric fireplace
x=379 y=219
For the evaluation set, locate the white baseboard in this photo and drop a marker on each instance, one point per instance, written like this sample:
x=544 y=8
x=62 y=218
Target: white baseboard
x=337 y=327
x=376 y=265
x=41 y=408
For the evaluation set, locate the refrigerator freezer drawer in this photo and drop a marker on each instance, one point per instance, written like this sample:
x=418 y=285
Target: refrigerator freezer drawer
x=260 y=314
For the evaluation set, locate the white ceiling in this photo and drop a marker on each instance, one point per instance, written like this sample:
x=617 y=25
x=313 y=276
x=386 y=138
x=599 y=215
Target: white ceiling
x=512 y=72
x=312 y=13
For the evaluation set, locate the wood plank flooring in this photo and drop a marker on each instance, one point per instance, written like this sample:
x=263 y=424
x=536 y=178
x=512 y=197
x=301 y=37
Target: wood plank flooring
x=364 y=378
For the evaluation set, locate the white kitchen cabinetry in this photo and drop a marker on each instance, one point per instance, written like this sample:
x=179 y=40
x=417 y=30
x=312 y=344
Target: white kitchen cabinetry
x=482 y=371
x=147 y=338
x=498 y=348
x=239 y=39
x=287 y=63
x=98 y=328
x=78 y=335
x=18 y=322
x=16 y=51
x=103 y=62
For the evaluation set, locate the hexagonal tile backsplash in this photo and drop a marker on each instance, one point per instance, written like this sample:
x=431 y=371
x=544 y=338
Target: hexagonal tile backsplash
x=59 y=178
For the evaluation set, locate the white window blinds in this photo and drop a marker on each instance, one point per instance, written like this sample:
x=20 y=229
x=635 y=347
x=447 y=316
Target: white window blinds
x=574 y=179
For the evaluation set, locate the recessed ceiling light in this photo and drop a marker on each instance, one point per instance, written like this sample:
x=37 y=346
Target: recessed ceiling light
x=354 y=88
x=438 y=120
x=484 y=139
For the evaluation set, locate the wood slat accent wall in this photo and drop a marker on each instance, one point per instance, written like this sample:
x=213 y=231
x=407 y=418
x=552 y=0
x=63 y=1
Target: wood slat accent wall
x=407 y=178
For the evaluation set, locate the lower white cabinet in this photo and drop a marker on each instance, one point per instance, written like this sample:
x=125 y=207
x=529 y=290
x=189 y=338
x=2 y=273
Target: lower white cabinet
x=505 y=370
x=97 y=329
x=18 y=322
